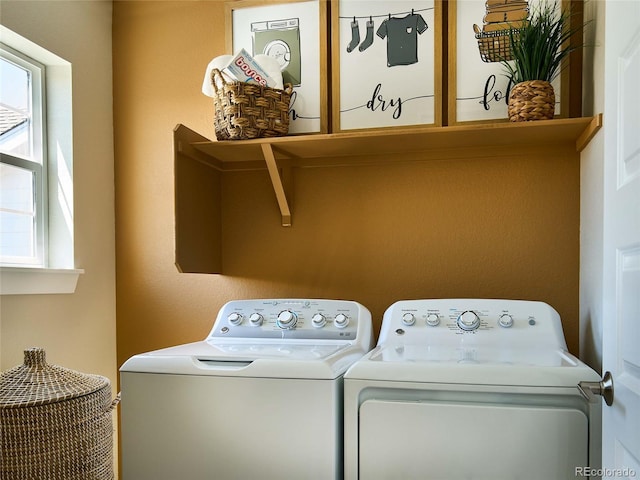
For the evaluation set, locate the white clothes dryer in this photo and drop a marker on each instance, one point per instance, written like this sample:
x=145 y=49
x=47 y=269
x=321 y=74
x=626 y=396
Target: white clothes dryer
x=470 y=389
x=260 y=398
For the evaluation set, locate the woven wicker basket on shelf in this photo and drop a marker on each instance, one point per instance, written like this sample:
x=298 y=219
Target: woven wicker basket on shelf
x=55 y=423
x=246 y=110
x=531 y=100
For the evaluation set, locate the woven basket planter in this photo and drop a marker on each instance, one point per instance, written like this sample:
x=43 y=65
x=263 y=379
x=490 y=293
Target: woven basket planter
x=532 y=100
x=55 y=423
x=247 y=110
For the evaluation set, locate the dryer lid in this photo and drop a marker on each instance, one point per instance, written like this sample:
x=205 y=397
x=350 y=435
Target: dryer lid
x=472 y=365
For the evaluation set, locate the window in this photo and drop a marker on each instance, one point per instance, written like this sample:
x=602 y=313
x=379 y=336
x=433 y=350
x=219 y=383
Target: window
x=36 y=170
x=23 y=165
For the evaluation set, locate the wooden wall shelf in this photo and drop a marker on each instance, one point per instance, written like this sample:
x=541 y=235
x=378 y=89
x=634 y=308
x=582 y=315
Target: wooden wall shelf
x=199 y=164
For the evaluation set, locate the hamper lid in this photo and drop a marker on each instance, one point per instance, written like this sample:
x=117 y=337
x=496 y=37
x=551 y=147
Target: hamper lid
x=38 y=383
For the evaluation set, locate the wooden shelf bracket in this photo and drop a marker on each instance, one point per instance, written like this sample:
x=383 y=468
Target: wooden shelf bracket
x=278 y=185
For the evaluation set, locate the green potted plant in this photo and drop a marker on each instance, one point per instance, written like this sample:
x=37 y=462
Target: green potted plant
x=538 y=50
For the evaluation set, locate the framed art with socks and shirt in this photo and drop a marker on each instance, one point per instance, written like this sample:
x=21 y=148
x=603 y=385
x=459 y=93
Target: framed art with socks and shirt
x=386 y=64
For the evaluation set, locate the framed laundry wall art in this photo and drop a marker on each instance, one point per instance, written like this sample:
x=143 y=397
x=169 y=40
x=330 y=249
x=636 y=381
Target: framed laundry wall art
x=294 y=33
x=386 y=58
x=478 y=36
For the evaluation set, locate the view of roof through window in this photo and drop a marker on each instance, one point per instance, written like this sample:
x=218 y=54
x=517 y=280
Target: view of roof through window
x=18 y=203
x=14 y=108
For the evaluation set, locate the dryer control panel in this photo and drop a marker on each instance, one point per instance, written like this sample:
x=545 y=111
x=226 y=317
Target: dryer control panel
x=473 y=321
x=312 y=319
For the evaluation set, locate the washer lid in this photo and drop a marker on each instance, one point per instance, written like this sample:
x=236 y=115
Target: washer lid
x=248 y=352
x=284 y=360
x=472 y=365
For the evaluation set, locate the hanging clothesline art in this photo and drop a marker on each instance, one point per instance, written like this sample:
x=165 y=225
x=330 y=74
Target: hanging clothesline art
x=386 y=15
x=398 y=88
x=400 y=32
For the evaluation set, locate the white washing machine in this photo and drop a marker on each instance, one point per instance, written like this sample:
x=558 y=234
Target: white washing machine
x=470 y=389
x=260 y=398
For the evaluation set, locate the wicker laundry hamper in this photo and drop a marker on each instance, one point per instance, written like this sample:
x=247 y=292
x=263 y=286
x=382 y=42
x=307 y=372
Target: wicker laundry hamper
x=55 y=423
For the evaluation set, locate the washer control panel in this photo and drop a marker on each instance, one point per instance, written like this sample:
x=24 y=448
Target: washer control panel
x=472 y=320
x=290 y=319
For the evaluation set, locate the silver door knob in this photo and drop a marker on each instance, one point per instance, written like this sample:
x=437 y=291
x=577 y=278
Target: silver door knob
x=604 y=388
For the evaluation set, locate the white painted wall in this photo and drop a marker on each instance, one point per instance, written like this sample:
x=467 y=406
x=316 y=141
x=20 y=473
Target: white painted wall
x=77 y=330
x=591 y=192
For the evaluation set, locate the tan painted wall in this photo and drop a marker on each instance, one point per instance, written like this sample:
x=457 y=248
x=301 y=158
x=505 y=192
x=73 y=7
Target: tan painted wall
x=502 y=227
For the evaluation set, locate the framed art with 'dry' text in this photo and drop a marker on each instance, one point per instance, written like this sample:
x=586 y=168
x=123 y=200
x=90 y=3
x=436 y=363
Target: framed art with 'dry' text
x=386 y=58
x=294 y=32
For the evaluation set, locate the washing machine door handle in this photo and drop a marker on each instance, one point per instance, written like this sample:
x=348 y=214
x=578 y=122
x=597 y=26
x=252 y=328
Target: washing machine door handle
x=603 y=388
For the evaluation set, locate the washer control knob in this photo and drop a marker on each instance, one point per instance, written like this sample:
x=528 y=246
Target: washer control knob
x=341 y=320
x=235 y=318
x=433 y=320
x=408 y=319
x=468 y=320
x=318 y=320
x=505 y=320
x=286 y=319
x=256 y=319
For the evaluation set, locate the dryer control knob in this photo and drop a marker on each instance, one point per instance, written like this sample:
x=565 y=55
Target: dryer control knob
x=318 y=320
x=235 y=318
x=468 y=320
x=341 y=320
x=256 y=319
x=408 y=319
x=505 y=320
x=433 y=320
x=286 y=319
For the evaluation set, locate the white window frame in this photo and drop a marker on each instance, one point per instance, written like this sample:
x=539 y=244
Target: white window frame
x=37 y=164
x=59 y=274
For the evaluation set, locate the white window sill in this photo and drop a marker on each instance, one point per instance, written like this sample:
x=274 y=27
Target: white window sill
x=31 y=281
